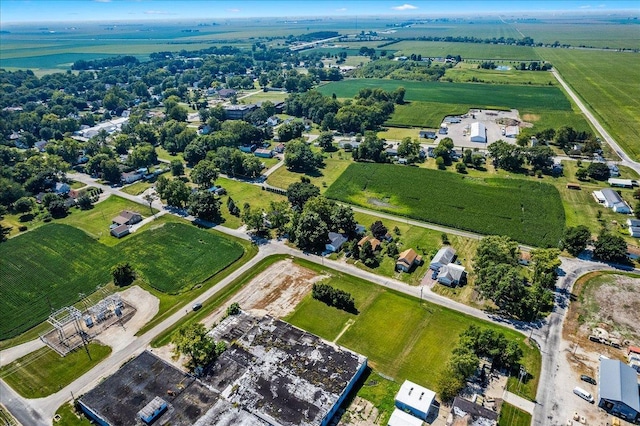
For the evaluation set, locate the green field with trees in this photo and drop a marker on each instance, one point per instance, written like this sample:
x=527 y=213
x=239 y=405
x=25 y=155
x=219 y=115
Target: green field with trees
x=46 y=269
x=529 y=212
x=466 y=50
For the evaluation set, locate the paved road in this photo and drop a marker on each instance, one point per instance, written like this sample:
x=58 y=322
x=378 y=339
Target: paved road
x=626 y=160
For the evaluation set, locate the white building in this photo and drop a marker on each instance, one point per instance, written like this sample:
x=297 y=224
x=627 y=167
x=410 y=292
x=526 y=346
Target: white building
x=612 y=200
x=512 y=131
x=478 y=132
x=621 y=183
x=443 y=257
x=415 y=399
x=400 y=418
x=451 y=274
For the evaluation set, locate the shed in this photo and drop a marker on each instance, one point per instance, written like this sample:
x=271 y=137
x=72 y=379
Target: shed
x=335 y=241
x=451 y=274
x=478 y=132
x=444 y=256
x=621 y=183
x=618 y=390
x=512 y=131
x=400 y=418
x=263 y=153
x=415 y=399
x=120 y=231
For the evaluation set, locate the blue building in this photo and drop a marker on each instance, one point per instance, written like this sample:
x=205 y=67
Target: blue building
x=618 y=390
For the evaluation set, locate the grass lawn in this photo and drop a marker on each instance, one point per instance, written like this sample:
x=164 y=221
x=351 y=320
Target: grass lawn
x=69 y=417
x=44 y=372
x=261 y=96
x=399 y=133
x=136 y=188
x=163 y=154
x=96 y=221
x=466 y=72
x=425 y=114
x=423 y=333
x=335 y=163
x=530 y=212
x=381 y=392
x=513 y=416
x=241 y=193
x=466 y=50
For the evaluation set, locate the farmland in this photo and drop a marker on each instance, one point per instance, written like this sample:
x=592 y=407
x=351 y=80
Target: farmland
x=529 y=212
x=466 y=50
x=48 y=267
x=608 y=86
x=423 y=336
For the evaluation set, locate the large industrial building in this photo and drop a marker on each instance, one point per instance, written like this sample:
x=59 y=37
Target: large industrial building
x=478 y=132
x=618 y=390
x=271 y=374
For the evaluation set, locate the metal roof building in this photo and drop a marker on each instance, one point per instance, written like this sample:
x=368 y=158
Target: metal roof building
x=618 y=390
x=415 y=399
x=478 y=132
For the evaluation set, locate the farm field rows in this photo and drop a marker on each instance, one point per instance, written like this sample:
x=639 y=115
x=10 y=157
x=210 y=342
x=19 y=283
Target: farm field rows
x=48 y=267
x=608 y=86
x=481 y=28
x=423 y=336
x=466 y=50
x=610 y=34
x=529 y=212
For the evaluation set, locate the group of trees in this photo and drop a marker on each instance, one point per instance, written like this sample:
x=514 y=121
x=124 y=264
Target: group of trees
x=512 y=157
x=300 y=158
x=500 y=278
x=194 y=342
x=334 y=297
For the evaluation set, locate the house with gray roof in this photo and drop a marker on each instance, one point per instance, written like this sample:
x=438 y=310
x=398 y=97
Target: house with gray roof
x=612 y=200
x=335 y=241
x=618 y=390
x=443 y=257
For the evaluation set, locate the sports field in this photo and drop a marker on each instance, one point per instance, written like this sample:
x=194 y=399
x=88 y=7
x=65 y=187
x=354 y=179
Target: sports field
x=421 y=338
x=47 y=268
x=529 y=212
x=608 y=84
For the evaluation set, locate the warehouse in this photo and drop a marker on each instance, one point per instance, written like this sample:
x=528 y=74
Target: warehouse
x=478 y=132
x=618 y=390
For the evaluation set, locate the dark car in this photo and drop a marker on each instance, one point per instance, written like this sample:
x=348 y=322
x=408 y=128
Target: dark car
x=434 y=275
x=588 y=379
x=196 y=306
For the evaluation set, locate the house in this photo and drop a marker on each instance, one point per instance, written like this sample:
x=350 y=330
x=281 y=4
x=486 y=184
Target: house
x=360 y=229
x=478 y=132
x=415 y=399
x=391 y=152
x=127 y=217
x=41 y=145
x=634 y=231
x=428 y=134
x=443 y=257
x=621 y=183
x=226 y=93
x=612 y=200
x=279 y=148
x=131 y=177
x=451 y=275
x=633 y=222
x=62 y=188
x=247 y=149
x=375 y=243
x=273 y=120
x=512 y=131
x=465 y=412
x=335 y=242
x=238 y=112
x=613 y=170
x=263 y=153
x=400 y=418
x=407 y=259
x=618 y=390
x=120 y=231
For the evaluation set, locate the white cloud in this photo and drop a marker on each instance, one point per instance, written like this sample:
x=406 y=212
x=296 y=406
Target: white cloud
x=342 y=9
x=102 y=1
x=405 y=7
x=156 y=12
x=586 y=6
x=601 y=5
x=233 y=10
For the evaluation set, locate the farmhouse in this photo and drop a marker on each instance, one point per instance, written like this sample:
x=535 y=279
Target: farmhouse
x=478 y=132
x=415 y=399
x=263 y=153
x=335 y=242
x=443 y=257
x=375 y=243
x=618 y=390
x=120 y=231
x=407 y=259
x=273 y=121
x=451 y=275
x=127 y=217
x=612 y=200
x=621 y=183
x=279 y=148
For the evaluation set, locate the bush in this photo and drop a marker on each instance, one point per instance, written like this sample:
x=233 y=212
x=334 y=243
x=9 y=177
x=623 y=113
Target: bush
x=461 y=168
x=22 y=228
x=334 y=297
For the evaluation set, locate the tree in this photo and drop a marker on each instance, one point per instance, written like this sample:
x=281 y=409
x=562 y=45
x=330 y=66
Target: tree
x=610 y=248
x=409 y=149
x=204 y=174
x=278 y=215
x=461 y=168
x=299 y=157
x=149 y=198
x=23 y=205
x=4 y=230
x=449 y=384
x=298 y=193
x=545 y=266
x=55 y=205
x=143 y=155
x=506 y=156
x=233 y=309
x=325 y=141
x=496 y=249
x=582 y=174
x=367 y=255
x=84 y=202
x=598 y=171
x=177 y=168
x=204 y=205
x=193 y=341
x=254 y=219
x=575 y=239
x=540 y=157
x=175 y=192
x=123 y=274
x=111 y=171
x=310 y=231
x=378 y=229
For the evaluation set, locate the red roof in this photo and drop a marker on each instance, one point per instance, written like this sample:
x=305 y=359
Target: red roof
x=634 y=349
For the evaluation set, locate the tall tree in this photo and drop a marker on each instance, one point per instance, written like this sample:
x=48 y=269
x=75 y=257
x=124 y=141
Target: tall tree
x=193 y=341
x=575 y=239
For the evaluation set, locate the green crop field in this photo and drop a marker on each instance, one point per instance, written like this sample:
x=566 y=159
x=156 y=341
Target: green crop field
x=480 y=95
x=529 y=212
x=615 y=35
x=48 y=267
x=608 y=84
x=466 y=50
x=479 y=27
x=422 y=338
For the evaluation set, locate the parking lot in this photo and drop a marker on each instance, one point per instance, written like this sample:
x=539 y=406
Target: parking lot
x=494 y=122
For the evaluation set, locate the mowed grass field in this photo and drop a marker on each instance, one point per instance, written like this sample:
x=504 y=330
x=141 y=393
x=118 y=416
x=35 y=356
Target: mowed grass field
x=513 y=416
x=466 y=50
x=608 y=84
x=402 y=337
x=529 y=212
x=48 y=267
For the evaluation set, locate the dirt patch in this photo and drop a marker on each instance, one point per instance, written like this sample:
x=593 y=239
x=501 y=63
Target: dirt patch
x=360 y=413
x=531 y=117
x=378 y=202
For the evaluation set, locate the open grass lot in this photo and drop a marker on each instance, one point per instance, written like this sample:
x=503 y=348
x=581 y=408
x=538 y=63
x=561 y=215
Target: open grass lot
x=44 y=372
x=529 y=212
x=513 y=416
x=48 y=267
x=466 y=50
x=607 y=84
x=323 y=178
x=241 y=193
x=136 y=188
x=422 y=334
x=424 y=114
x=261 y=96
x=466 y=72
x=478 y=95
x=68 y=416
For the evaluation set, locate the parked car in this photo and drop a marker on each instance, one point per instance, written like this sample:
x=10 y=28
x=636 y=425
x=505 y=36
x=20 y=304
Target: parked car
x=434 y=275
x=588 y=379
x=196 y=306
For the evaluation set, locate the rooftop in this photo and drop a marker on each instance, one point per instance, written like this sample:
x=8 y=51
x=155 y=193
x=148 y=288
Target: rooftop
x=400 y=418
x=618 y=382
x=416 y=396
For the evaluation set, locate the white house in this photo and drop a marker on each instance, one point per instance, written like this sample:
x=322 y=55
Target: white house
x=415 y=399
x=131 y=177
x=634 y=231
x=451 y=274
x=478 y=132
x=443 y=257
x=612 y=200
x=335 y=242
x=273 y=120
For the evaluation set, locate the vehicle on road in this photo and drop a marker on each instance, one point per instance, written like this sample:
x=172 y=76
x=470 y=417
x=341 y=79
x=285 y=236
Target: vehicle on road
x=588 y=379
x=196 y=306
x=583 y=394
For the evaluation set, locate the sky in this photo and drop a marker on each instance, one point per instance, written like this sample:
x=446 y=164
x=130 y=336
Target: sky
x=101 y=10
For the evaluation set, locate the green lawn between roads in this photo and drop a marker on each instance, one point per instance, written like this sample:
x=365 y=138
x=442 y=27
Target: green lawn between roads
x=48 y=267
x=44 y=372
x=513 y=416
x=529 y=212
